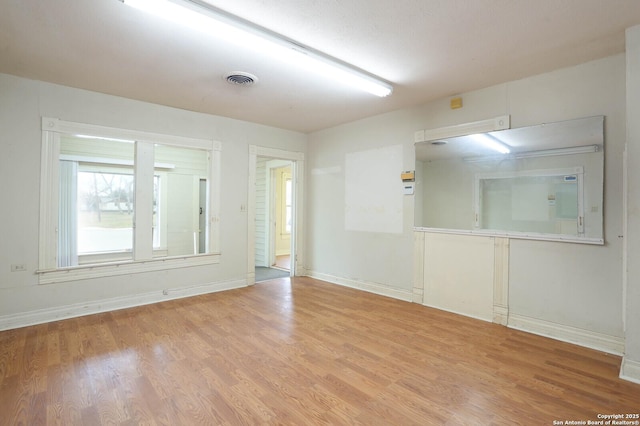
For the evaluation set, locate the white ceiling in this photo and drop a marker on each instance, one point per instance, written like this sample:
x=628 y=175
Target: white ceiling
x=428 y=49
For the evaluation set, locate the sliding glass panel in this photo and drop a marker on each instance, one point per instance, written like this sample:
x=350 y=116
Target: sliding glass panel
x=540 y=204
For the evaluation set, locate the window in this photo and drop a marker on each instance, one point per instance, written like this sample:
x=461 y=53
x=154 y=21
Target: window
x=546 y=201
x=287 y=201
x=549 y=187
x=115 y=201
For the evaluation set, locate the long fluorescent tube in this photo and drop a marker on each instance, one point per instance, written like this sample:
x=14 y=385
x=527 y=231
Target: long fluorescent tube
x=586 y=149
x=204 y=17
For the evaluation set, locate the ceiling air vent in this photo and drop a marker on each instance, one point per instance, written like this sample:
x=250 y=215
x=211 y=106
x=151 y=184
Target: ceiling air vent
x=240 y=78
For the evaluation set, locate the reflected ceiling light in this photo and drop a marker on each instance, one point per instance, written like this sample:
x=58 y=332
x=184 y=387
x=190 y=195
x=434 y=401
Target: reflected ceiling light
x=204 y=17
x=586 y=149
x=490 y=142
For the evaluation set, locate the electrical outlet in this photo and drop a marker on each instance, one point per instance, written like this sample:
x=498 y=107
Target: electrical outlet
x=18 y=267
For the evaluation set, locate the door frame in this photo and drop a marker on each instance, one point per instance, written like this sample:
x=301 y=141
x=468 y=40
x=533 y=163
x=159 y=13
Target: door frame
x=297 y=179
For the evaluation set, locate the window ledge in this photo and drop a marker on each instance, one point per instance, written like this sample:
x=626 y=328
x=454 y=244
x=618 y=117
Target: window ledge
x=514 y=235
x=83 y=272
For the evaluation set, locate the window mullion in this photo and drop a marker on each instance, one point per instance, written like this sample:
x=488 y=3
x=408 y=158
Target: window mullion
x=143 y=213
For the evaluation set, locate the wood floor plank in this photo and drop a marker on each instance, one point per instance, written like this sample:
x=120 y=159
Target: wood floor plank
x=299 y=351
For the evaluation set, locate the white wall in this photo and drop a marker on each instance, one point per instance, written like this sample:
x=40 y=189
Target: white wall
x=376 y=261
x=22 y=104
x=577 y=287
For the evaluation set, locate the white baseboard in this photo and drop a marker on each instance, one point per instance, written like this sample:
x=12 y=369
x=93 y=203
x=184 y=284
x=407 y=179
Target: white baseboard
x=501 y=314
x=406 y=295
x=453 y=311
x=630 y=370
x=41 y=316
x=590 y=339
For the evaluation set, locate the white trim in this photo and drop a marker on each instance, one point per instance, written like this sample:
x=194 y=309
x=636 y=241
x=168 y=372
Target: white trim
x=566 y=333
x=453 y=311
x=84 y=272
x=483 y=126
x=297 y=172
x=513 y=235
x=52 y=129
x=376 y=288
x=49 y=193
x=214 y=196
x=278 y=154
x=624 y=236
x=73 y=128
x=93 y=307
x=630 y=370
x=501 y=281
x=251 y=215
x=143 y=201
x=418 y=267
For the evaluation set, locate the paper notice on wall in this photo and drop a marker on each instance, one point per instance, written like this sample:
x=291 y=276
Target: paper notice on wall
x=373 y=190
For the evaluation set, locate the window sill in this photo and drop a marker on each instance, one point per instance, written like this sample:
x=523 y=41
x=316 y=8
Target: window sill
x=84 y=272
x=514 y=235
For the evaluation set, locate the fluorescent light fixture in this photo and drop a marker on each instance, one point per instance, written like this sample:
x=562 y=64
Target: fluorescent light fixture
x=498 y=123
x=585 y=149
x=490 y=142
x=206 y=18
x=558 y=151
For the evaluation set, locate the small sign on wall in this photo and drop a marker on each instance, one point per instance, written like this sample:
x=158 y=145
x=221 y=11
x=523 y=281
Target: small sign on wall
x=408 y=188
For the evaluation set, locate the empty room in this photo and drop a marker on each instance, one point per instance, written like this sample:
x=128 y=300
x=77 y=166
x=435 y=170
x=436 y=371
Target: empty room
x=299 y=212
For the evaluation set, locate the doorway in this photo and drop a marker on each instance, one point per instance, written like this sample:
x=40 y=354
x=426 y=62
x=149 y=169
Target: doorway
x=273 y=221
x=274 y=213
x=280 y=196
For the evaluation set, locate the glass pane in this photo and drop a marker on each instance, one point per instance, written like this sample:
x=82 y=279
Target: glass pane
x=288 y=192
x=288 y=198
x=96 y=200
x=542 y=204
x=182 y=201
x=288 y=219
x=105 y=212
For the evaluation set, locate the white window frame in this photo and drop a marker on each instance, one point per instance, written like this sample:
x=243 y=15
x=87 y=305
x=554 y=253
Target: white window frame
x=143 y=261
x=477 y=202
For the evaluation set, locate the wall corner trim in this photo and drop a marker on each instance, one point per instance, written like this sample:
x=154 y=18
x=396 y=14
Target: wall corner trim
x=630 y=370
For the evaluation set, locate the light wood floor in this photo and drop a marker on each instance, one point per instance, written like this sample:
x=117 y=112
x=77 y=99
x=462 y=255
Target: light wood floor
x=283 y=262
x=301 y=352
